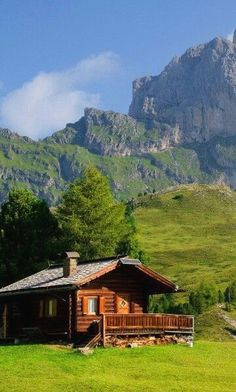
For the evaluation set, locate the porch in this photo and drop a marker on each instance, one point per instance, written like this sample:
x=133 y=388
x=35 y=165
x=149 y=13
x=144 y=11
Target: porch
x=143 y=324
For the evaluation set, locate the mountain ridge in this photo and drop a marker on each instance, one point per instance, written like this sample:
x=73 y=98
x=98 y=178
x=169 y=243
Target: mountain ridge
x=181 y=128
x=196 y=92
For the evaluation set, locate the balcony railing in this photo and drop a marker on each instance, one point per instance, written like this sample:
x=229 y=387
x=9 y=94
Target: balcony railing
x=146 y=323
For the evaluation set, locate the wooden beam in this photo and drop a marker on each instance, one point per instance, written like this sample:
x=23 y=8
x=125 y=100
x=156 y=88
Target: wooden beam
x=158 y=277
x=104 y=330
x=4 y=316
x=69 y=317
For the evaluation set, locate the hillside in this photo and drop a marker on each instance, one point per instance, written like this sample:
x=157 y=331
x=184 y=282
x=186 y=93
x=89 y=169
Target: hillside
x=189 y=233
x=46 y=167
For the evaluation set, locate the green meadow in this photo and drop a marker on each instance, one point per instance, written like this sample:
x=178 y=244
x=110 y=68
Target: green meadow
x=207 y=367
x=190 y=233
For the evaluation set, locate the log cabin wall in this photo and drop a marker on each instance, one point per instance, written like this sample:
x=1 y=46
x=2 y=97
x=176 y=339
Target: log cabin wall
x=106 y=289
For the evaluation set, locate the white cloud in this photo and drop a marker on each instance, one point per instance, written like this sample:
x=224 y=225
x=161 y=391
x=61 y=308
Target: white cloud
x=50 y=100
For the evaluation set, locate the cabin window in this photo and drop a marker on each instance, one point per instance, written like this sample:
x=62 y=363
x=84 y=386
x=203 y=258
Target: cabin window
x=51 y=308
x=93 y=305
x=48 y=308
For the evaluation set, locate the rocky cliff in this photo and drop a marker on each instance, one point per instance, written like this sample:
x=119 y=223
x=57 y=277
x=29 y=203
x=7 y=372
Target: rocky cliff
x=195 y=92
x=115 y=134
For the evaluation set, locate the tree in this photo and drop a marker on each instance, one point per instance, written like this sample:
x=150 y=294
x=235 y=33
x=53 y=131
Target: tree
x=230 y=293
x=162 y=304
x=28 y=233
x=130 y=245
x=206 y=296
x=93 y=223
x=221 y=297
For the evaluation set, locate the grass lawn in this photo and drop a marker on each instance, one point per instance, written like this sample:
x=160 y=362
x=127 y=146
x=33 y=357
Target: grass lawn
x=206 y=367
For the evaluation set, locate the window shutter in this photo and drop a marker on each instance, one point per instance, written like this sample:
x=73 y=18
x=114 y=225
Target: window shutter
x=85 y=305
x=102 y=305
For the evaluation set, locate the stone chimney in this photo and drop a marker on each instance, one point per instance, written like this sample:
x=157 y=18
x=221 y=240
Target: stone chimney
x=70 y=264
x=234 y=37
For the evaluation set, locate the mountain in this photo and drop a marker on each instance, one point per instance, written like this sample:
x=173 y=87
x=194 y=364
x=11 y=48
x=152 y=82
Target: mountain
x=195 y=93
x=114 y=134
x=181 y=128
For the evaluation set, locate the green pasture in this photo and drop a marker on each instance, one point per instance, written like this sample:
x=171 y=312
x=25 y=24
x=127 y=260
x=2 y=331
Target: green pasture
x=207 y=367
x=190 y=234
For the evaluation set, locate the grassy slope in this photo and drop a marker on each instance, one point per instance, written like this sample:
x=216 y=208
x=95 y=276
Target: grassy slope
x=205 y=367
x=46 y=168
x=190 y=234
x=28 y=163
x=210 y=326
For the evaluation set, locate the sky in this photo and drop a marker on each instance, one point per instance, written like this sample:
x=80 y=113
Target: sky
x=60 y=56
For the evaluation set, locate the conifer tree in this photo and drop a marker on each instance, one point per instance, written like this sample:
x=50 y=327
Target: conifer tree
x=93 y=223
x=28 y=232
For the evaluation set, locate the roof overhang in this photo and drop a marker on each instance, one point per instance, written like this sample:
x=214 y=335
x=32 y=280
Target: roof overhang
x=160 y=284
x=38 y=290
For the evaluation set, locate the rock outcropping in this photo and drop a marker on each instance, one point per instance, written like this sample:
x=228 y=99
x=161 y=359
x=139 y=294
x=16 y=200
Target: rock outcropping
x=196 y=92
x=115 y=134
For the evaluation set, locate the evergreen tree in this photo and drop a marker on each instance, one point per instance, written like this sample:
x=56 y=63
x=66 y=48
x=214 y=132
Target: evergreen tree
x=206 y=296
x=28 y=235
x=93 y=223
x=220 y=297
x=199 y=302
x=230 y=293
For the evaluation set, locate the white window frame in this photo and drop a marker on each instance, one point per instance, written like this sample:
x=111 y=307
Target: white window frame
x=94 y=306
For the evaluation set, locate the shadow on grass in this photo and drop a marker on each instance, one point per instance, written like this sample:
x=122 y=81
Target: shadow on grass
x=33 y=343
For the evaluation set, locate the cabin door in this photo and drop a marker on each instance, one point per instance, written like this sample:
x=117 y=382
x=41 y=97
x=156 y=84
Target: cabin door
x=123 y=303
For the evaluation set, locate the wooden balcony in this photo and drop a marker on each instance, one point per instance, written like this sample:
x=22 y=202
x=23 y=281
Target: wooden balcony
x=147 y=323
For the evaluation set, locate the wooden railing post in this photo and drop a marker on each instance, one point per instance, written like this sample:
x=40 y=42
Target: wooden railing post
x=104 y=330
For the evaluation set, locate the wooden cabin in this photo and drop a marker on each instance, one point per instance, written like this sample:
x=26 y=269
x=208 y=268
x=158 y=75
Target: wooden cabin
x=89 y=300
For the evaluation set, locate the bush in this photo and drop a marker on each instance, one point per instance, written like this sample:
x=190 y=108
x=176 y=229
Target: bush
x=228 y=307
x=198 y=301
x=203 y=298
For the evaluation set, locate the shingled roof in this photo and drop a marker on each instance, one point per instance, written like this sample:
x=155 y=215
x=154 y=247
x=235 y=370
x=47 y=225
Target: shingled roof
x=53 y=276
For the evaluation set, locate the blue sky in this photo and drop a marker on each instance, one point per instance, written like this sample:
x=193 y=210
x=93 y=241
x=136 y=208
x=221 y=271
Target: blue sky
x=58 y=56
